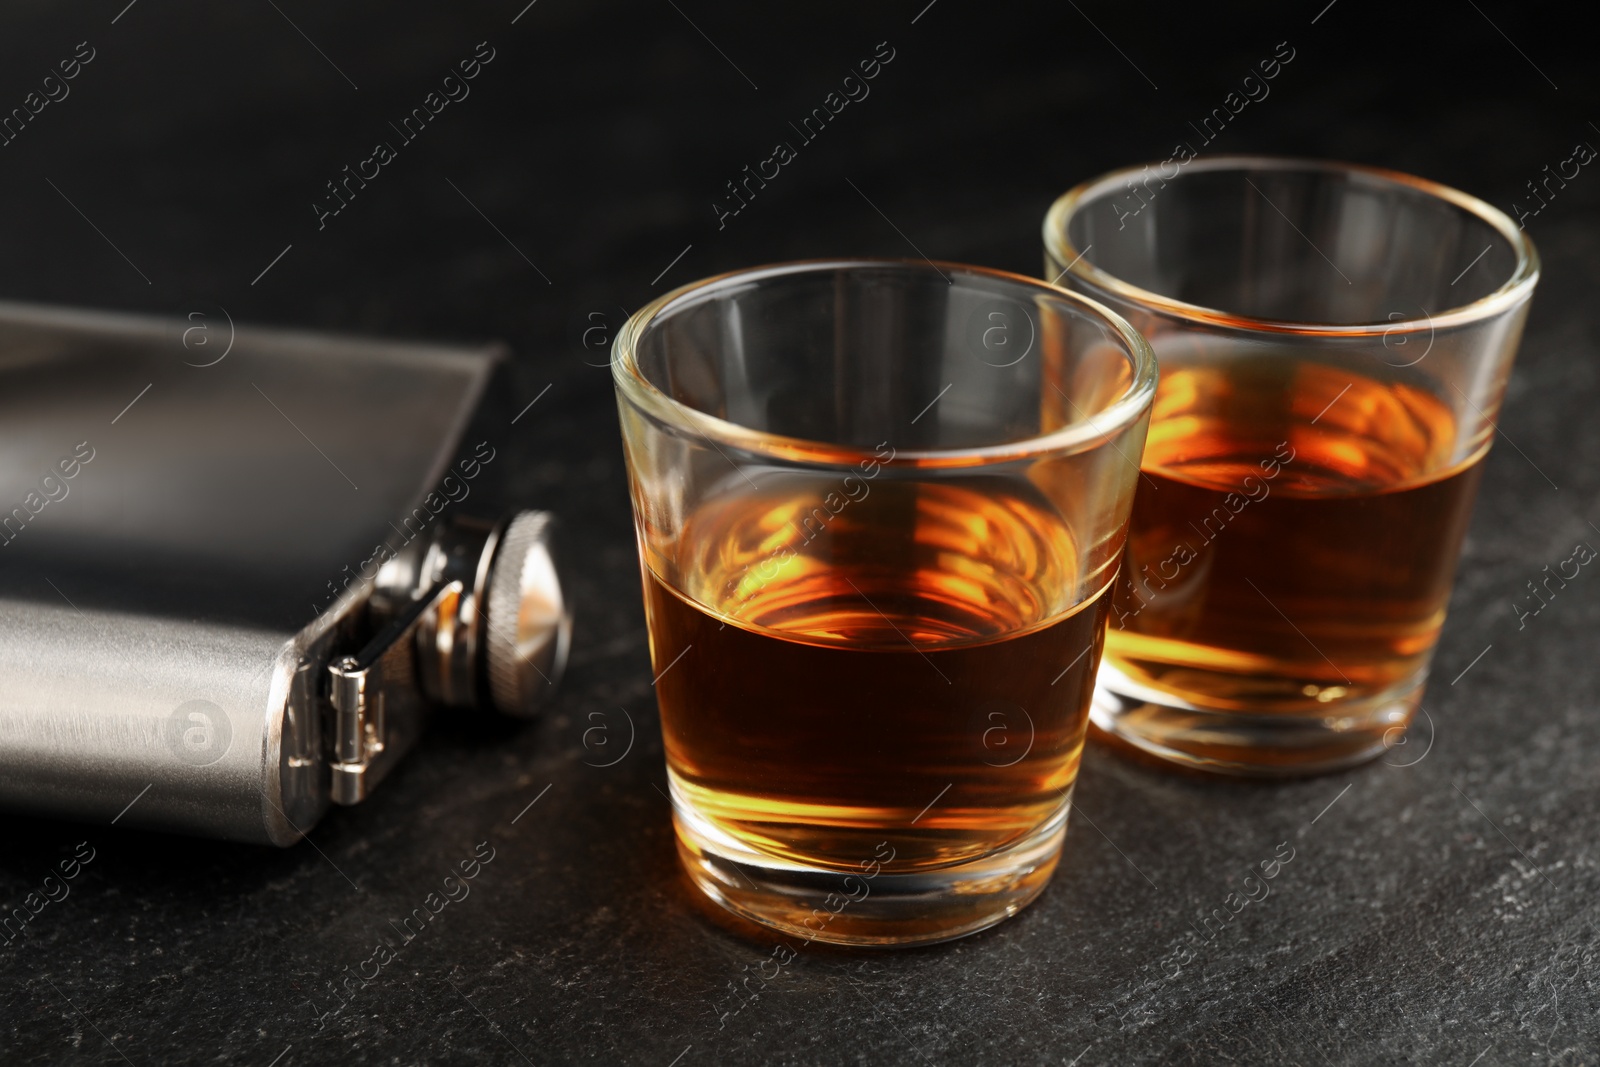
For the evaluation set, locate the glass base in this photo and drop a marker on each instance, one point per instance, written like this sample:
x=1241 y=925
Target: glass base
x=863 y=908
x=1258 y=745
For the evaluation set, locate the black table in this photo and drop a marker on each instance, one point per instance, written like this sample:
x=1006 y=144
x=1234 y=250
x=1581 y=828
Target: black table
x=1439 y=907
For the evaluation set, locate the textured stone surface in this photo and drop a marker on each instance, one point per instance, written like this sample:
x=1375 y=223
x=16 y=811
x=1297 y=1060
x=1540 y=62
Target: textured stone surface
x=1437 y=912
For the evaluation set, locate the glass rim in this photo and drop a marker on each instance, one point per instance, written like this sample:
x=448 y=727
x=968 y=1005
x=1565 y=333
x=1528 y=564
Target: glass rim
x=1073 y=436
x=1516 y=289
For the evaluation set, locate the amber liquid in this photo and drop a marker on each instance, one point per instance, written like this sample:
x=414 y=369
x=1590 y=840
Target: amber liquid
x=1293 y=539
x=912 y=666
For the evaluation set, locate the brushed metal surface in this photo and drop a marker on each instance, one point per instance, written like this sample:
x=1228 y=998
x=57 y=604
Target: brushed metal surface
x=236 y=491
x=165 y=723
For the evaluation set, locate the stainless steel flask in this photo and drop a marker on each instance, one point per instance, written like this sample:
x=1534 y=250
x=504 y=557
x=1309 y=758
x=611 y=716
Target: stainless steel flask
x=239 y=568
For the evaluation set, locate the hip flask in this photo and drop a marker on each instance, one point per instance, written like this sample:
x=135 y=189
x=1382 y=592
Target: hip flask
x=239 y=569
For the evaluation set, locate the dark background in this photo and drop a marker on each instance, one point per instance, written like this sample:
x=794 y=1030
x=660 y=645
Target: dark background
x=1441 y=911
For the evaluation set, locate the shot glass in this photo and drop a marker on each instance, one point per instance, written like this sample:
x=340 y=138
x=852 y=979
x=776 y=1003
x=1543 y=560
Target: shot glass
x=1335 y=342
x=880 y=505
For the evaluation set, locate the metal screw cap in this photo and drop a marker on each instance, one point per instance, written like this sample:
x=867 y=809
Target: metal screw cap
x=529 y=628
